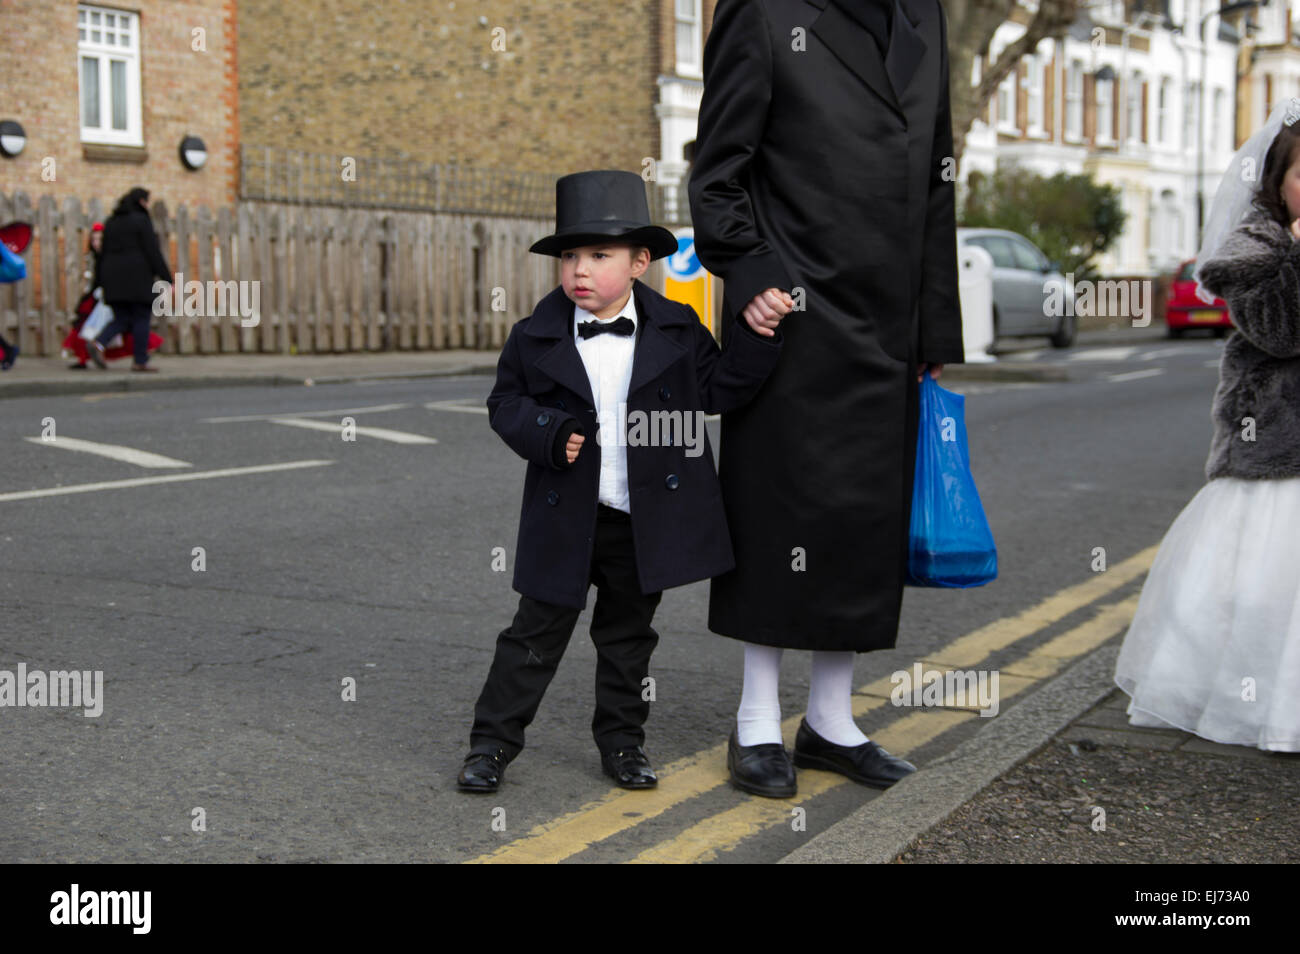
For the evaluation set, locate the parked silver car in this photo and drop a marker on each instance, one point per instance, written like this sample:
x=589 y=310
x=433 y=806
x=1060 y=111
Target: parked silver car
x=1026 y=286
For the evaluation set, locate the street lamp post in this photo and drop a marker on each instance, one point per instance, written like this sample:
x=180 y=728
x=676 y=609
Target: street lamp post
x=1200 y=112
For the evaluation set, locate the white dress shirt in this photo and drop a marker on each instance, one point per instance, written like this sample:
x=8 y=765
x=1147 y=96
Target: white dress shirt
x=608 y=360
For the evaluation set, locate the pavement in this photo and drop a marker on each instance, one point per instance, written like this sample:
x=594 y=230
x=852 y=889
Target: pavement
x=1062 y=777
x=43 y=376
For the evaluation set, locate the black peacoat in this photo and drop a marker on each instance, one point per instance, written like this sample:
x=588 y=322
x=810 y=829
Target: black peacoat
x=130 y=259
x=825 y=169
x=542 y=393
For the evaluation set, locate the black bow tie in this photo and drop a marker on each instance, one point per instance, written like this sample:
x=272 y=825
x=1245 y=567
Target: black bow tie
x=621 y=326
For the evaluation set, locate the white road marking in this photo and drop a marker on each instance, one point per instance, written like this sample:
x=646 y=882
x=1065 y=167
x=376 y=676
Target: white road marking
x=1131 y=375
x=381 y=433
x=162 y=479
x=128 y=455
x=1214 y=364
x=1161 y=353
x=1022 y=355
x=1102 y=354
x=340 y=413
x=455 y=406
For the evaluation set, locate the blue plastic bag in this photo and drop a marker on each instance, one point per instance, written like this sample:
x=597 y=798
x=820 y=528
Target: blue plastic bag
x=12 y=267
x=949 y=540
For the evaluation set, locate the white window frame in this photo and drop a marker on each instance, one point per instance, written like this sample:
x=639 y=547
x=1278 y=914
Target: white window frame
x=1105 y=110
x=91 y=23
x=1190 y=115
x=1034 y=69
x=1074 y=101
x=1163 y=91
x=1133 y=108
x=1216 y=114
x=1007 y=91
x=693 y=24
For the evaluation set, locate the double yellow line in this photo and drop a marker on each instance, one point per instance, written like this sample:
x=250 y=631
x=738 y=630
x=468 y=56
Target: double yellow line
x=695 y=775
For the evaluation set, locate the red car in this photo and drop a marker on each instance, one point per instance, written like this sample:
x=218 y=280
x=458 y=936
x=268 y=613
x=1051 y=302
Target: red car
x=1184 y=310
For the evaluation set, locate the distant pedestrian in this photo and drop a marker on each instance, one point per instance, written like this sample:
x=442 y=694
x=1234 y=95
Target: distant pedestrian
x=74 y=342
x=130 y=262
x=1214 y=646
x=14 y=237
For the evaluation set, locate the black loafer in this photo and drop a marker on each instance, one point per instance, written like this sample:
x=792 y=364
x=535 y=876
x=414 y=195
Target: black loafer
x=629 y=767
x=482 y=770
x=761 y=769
x=867 y=763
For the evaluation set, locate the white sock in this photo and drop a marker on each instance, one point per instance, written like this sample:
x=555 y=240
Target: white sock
x=830 y=699
x=758 y=721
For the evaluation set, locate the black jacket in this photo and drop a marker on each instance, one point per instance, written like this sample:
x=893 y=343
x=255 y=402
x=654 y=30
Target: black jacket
x=131 y=259
x=542 y=395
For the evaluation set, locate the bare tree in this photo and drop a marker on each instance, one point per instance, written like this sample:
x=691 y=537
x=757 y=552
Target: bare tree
x=971 y=25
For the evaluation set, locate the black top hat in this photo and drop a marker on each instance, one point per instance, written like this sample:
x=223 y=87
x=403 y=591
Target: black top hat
x=594 y=207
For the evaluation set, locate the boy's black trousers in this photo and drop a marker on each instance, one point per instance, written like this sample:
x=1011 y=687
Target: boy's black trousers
x=529 y=650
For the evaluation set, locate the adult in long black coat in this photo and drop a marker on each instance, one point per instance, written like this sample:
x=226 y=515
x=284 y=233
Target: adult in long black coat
x=128 y=265
x=823 y=171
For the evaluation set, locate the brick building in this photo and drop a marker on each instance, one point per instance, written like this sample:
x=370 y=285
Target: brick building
x=105 y=94
x=549 y=86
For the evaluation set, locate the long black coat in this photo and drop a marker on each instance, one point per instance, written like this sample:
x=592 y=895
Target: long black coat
x=820 y=169
x=542 y=390
x=130 y=260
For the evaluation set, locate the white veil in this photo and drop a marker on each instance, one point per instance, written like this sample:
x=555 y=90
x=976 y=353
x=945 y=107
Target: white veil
x=1238 y=187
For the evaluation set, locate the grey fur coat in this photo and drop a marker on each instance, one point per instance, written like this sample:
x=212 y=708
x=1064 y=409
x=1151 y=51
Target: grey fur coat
x=1257 y=272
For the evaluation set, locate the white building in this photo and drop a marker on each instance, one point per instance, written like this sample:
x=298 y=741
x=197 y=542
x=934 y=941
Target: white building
x=1119 y=97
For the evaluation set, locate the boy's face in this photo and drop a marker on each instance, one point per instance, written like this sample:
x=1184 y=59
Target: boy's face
x=599 y=277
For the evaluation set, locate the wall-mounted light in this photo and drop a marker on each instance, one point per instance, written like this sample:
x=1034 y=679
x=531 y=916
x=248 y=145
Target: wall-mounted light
x=193 y=153
x=12 y=138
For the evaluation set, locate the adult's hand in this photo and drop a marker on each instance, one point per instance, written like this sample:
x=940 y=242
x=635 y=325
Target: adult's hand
x=766 y=310
x=934 y=369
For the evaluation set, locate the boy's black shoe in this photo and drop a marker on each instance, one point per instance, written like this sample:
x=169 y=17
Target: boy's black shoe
x=867 y=763
x=629 y=767
x=482 y=770
x=761 y=769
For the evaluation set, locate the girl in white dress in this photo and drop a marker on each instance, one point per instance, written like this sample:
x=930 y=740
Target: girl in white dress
x=1214 y=646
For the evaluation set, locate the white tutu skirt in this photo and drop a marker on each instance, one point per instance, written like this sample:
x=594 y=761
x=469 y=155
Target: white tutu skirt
x=1214 y=647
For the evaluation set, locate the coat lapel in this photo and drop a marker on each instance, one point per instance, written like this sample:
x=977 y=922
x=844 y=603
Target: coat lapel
x=854 y=46
x=553 y=318
x=655 y=351
x=906 y=47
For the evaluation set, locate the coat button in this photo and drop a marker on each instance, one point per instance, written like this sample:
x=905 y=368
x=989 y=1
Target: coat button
x=664 y=394
x=671 y=482
x=543 y=419
x=552 y=498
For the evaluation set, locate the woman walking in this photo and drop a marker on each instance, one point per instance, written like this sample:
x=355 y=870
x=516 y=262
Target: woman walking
x=128 y=265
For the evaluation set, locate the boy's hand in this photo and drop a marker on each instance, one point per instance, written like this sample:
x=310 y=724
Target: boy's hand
x=572 y=447
x=934 y=369
x=1295 y=229
x=767 y=309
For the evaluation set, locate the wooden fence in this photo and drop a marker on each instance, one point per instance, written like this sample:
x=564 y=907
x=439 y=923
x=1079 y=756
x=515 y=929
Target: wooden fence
x=327 y=278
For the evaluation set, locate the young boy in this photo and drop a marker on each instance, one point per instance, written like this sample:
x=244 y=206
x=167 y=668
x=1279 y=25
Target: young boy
x=633 y=512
